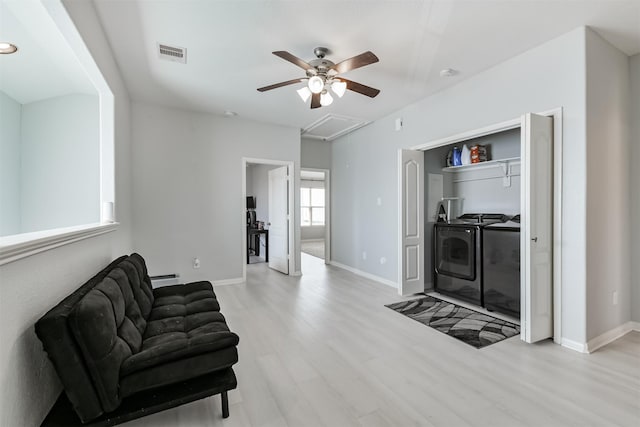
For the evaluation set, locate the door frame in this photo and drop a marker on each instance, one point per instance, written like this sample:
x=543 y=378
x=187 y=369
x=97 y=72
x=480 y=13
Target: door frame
x=556 y=114
x=327 y=211
x=291 y=201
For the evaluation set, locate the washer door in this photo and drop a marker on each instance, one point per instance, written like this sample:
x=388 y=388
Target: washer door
x=456 y=252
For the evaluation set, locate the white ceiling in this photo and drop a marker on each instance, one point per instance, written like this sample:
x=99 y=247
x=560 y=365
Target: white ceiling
x=229 y=45
x=44 y=66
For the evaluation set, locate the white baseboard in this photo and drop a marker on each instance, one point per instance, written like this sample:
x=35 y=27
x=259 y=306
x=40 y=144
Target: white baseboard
x=296 y=273
x=610 y=336
x=312 y=240
x=635 y=326
x=225 y=282
x=365 y=274
x=574 y=345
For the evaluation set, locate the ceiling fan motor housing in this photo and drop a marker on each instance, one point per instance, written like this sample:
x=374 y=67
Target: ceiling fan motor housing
x=320 y=52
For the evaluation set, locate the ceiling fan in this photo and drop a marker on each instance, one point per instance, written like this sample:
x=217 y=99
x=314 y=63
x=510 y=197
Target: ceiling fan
x=323 y=74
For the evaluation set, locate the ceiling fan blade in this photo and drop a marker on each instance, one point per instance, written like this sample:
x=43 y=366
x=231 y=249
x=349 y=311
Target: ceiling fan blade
x=277 y=85
x=355 y=62
x=360 y=88
x=315 y=100
x=293 y=59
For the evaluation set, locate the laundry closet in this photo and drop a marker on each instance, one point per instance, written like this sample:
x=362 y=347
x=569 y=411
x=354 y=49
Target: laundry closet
x=472 y=230
x=515 y=196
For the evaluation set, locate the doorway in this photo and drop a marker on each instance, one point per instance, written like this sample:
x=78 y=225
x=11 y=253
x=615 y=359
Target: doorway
x=315 y=217
x=267 y=216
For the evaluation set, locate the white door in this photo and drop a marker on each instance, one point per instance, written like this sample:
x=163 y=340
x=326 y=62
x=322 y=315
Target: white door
x=279 y=219
x=536 y=239
x=411 y=222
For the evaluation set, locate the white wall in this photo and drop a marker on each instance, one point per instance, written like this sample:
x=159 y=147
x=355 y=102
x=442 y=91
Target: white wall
x=608 y=190
x=60 y=163
x=187 y=195
x=315 y=232
x=315 y=153
x=9 y=165
x=260 y=189
x=51 y=163
x=31 y=286
x=548 y=76
x=634 y=71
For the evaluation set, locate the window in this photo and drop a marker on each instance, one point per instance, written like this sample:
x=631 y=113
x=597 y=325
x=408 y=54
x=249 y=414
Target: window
x=312 y=206
x=56 y=138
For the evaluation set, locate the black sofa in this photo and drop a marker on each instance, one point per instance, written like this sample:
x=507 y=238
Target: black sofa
x=123 y=350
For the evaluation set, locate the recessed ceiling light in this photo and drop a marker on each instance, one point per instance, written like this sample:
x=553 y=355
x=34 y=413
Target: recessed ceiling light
x=230 y=113
x=7 y=48
x=448 y=72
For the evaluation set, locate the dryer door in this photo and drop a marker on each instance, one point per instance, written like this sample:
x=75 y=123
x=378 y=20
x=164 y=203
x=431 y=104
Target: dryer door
x=456 y=251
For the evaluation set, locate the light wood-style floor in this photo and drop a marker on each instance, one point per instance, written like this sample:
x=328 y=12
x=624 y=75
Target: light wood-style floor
x=322 y=350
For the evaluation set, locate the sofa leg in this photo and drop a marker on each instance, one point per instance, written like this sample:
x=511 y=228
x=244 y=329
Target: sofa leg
x=225 y=404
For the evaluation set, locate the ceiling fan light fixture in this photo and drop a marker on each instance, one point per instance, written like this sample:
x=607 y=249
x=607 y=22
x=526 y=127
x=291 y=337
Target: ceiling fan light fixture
x=326 y=99
x=323 y=76
x=339 y=87
x=304 y=93
x=7 y=48
x=316 y=84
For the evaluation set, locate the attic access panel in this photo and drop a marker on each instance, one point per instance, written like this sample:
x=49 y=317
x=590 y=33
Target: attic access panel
x=332 y=126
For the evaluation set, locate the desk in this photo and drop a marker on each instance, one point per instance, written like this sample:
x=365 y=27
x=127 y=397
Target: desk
x=255 y=234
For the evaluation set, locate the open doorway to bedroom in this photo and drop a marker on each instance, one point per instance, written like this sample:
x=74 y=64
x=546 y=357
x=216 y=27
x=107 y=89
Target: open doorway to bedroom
x=315 y=224
x=268 y=217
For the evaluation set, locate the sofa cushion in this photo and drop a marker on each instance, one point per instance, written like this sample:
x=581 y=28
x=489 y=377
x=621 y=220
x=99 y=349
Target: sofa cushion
x=177 y=338
x=182 y=324
x=183 y=300
x=185 y=337
x=108 y=325
x=136 y=269
x=58 y=341
x=132 y=310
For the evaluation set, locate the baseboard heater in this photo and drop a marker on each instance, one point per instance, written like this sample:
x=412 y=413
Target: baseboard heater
x=165 y=280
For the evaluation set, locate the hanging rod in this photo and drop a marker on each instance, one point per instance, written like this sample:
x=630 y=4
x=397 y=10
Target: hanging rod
x=485 y=178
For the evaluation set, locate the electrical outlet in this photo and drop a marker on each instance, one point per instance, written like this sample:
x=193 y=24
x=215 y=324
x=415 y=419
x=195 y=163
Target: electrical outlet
x=364 y=255
x=379 y=201
x=615 y=297
x=196 y=263
x=383 y=260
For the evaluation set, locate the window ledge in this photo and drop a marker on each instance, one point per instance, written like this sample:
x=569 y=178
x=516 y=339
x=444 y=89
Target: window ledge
x=13 y=248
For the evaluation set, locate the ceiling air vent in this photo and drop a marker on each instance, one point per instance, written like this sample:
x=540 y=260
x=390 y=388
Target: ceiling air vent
x=172 y=53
